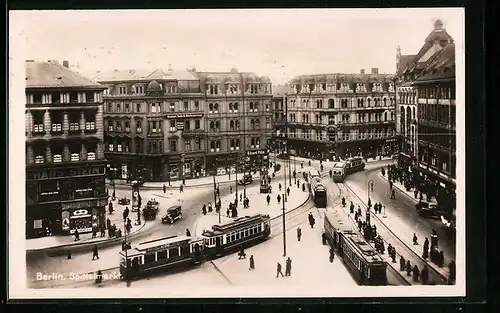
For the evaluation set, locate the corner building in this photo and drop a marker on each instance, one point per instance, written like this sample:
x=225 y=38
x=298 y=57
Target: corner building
x=65 y=165
x=341 y=115
x=167 y=125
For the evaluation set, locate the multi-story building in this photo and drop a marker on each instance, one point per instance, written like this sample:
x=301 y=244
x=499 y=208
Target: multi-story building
x=278 y=118
x=437 y=127
x=408 y=69
x=338 y=115
x=179 y=124
x=65 y=165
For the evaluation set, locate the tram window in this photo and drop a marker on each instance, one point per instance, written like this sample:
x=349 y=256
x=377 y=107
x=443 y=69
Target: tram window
x=149 y=258
x=228 y=238
x=162 y=255
x=237 y=235
x=259 y=228
x=123 y=262
x=233 y=236
x=173 y=252
x=184 y=249
x=242 y=234
x=247 y=232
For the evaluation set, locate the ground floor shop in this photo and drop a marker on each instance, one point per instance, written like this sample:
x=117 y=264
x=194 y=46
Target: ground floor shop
x=438 y=185
x=64 y=218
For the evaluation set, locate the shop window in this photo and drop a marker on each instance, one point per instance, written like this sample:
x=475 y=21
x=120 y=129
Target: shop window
x=91 y=156
x=75 y=157
x=149 y=258
x=57 y=158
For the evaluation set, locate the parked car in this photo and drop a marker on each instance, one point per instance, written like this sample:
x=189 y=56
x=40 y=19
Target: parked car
x=173 y=213
x=138 y=182
x=246 y=180
x=429 y=209
x=124 y=201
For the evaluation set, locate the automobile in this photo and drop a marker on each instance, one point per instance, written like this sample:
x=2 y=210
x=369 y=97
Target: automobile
x=428 y=209
x=246 y=180
x=283 y=156
x=138 y=182
x=173 y=213
x=151 y=209
x=124 y=201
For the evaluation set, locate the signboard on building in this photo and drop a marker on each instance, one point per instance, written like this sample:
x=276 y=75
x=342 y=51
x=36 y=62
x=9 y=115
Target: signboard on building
x=183 y=115
x=180 y=125
x=258 y=152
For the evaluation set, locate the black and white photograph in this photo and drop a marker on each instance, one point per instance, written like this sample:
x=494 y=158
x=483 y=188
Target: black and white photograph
x=237 y=153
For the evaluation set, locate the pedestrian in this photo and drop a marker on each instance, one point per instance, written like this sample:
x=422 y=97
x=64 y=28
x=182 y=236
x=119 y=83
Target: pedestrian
x=183 y=181
x=241 y=197
x=242 y=253
x=301 y=164
x=299 y=233
x=103 y=231
x=279 y=186
x=382 y=247
x=415 y=239
x=402 y=263
x=416 y=273
x=440 y=259
x=278 y=270
x=434 y=238
x=77 y=235
x=181 y=188
x=416 y=193
x=210 y=207
x=311 y=220
x=227 y=212
x=268 y=199
x=323 y=238
x=408 y=268
x=188 y=233
x=69 y=254
x=330 y=173
x=164 y=188
x=231 y=189
x=303 y=187
x=390 y=184
x=425 y=275
x=108 y=223
x=288 y=267
x=389 y=249
x=95 y=253
x=94 y=232
x=252 y=263
x=278 y=198
x=332 y=255
x=288 y=191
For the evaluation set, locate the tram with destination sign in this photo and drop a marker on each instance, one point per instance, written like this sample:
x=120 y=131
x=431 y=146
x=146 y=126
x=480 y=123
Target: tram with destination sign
x=364 y=263
x=339 y=171
x=354 y=164
x=164 y=254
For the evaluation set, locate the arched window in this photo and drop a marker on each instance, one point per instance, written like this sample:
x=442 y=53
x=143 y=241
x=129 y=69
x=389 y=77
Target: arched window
x=237 y=144
x=231 y=124
x=369 y=101
x=385 y=115
x=216 y=107
x=212 y=145
x=385 y=101
x=232 y=144
x=237 y=124
x=217 y=144
x=230 y=107
x=252 y=123
x=252 y=142
x=413 y=113
x=257 y=142
x=331 y=103
x=251 y=106
x=257 y=123
x=217 y=125
x=235 y=107
x=362 y=102
x=210 y=106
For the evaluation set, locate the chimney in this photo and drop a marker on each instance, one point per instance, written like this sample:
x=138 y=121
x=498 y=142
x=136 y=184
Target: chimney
x=193 y=69
x=362 y=71
x=66 y=64
x=234 y=70
x=115 y=70
x=374 y=70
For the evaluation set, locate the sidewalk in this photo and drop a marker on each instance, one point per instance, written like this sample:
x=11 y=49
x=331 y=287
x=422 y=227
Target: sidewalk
x=410 y=193
x=47 y=243
x=312 y=273
x=192 y=182
x=258 y=204
x=402 y=230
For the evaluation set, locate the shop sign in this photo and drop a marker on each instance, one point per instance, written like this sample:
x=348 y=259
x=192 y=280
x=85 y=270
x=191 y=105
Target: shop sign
x=258 y=152
x=180 y=125
x=80 y=212
x=82 y=204
x=185 y=115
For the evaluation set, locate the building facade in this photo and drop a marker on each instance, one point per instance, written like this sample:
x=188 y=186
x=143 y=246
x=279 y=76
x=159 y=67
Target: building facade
x=278 y=118
x=65 y=164
x=334 y=116
x=167 y=125
x=426 y=115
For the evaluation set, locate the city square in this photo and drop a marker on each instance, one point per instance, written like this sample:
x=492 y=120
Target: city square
x=221 y=175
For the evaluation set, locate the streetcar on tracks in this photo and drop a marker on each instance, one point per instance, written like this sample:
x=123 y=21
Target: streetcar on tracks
x=364 y=263
x=313 y=173
x=339 y=171
x=164 y=254
x=354 y=164
x=318 y=192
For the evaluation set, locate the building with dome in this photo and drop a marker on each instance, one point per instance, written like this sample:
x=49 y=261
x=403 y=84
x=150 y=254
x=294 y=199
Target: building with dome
x=167 y=125
x=65 y=162
x=338 y=115
x=427 y=116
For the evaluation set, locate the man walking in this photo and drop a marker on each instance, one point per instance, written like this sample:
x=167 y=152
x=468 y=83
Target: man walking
x=278 y=270
x=299 y=233
x=288 y=267
x=95 y=253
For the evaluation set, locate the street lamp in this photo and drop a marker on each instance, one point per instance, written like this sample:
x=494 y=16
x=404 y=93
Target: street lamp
x=370 y=187
x=284 y=228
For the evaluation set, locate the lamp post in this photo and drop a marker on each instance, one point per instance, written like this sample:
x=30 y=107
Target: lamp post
x=370 y=187
x=284 y=228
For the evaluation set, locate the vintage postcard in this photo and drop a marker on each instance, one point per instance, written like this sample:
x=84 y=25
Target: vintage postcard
x=237 y=153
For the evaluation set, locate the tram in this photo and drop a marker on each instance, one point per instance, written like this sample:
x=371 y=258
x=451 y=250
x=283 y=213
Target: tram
x=313 y=173
x=242 y=232
x=364 y=263
x=339 y=171
x=160 y=255
x=318 y=192
x=164 y=254
x=354 y=164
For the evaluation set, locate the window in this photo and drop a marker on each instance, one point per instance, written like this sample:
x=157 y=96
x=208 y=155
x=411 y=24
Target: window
x=187 y=145
x=153 y=107
x=216 y=108
x=110 y=126
x=111 y=147
x=196 y=106
x=57 y=158
x=139 y=89
x=235 y=107
x=56 y=127
x=91 y=156
x=127 y=108
x=172 y=126
x=89 y=125
x=122 y=90
x=138 y=125
x=172 y=107
x=127 y=126
x=187 y=125
x=267 y=106
x=197 y=124
x=74 y=126
x=39 y=159
x=433 y=161
x=186 y=106
x=173 y=145
x=118 y=126
x=110 y=107
x=230 y=107
x=118 y=107
x=138 y=107
x=198 y=144
x=75 y=157
x=119 y=147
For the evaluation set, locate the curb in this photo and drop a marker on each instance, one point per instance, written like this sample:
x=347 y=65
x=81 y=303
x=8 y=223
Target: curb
x=84 y=245
x=431 y=264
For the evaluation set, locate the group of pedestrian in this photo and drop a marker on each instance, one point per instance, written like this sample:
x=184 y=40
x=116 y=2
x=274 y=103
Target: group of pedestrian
x=288 y=268
x=377 y=207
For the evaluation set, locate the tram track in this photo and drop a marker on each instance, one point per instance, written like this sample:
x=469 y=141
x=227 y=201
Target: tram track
x=407 y=251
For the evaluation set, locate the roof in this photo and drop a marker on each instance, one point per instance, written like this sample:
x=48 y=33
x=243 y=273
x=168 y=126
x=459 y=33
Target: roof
x=341 y=78
x=53 y=75
x=231 y=77
x=404 y=62
x=160 y=242
x=138 y=74
x=280 y=90
x=442 y=66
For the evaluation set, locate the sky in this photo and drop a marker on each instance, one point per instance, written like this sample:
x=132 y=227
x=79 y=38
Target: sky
x=279 y=44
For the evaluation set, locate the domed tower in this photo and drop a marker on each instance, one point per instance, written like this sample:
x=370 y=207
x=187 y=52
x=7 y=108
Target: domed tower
x=154 y=88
